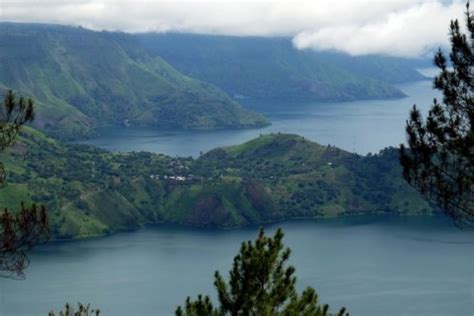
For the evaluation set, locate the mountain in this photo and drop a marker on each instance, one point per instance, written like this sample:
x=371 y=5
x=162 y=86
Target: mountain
x=272 y=68
x=91 y=192
x=82 y=79
x=387 y=69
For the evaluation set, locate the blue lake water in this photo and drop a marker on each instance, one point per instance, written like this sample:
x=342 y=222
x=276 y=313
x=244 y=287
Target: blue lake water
x=360 y=126
x=371 y=266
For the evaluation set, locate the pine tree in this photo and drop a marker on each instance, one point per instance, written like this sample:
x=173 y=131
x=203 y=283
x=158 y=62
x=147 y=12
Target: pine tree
x=201 y=307
x=260 y=283
x=440 y=159
x=21 y=230
x=82 y=310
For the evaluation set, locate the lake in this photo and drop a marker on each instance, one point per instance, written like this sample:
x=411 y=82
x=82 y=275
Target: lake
x=373 y=266
x=359 y=126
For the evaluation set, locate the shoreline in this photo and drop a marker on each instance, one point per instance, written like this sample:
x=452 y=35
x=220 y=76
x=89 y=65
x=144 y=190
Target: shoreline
x=358 y=219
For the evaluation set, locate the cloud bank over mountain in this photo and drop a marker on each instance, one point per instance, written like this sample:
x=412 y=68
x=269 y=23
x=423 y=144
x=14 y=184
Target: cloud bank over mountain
x=407 y=28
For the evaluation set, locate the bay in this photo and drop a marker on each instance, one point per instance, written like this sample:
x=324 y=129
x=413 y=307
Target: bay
x=359 y=126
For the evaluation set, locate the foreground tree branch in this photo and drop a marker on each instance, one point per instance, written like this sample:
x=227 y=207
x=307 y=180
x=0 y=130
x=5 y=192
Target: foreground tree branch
x=260 y=283
x=82 y=310
x=439 y=160
x=19 y=231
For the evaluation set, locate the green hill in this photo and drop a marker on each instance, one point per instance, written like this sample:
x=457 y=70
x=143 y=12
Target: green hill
x=91 y=192
x=272 y=68
x=83 y=79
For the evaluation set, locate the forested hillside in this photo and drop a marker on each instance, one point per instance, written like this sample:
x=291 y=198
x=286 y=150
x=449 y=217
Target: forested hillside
x=90 y=192
x=82 y=79
x=272 y=68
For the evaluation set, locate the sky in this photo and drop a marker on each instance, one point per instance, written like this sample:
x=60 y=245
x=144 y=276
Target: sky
x=403 y=28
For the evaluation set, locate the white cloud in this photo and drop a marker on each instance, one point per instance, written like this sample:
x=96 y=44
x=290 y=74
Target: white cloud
x=394 y=27
x=408 y=32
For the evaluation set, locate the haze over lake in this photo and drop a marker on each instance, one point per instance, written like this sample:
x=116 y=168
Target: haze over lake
x=359 y=126
x=373 y=267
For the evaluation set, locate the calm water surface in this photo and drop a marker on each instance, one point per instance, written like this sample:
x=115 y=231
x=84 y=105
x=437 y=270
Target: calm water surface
x=361 y=126
x=373 y=267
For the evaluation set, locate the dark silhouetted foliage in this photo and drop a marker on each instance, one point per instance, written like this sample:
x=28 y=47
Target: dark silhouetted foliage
x=82 y=310
x=439 y=160
x=13 y=115
x=21 y=230
x=260 y=283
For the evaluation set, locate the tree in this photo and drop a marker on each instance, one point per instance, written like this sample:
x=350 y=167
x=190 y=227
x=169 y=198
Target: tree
x=439 y=160
x=260 y=283
x=82 y=310
x=21 y=230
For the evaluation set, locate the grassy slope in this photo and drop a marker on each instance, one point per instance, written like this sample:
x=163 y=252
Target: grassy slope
x=91 y=192
x=273 y=68
x=312 y=180
x=82 y=79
